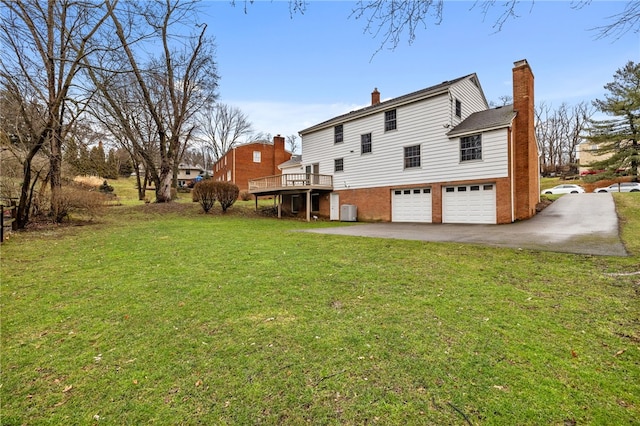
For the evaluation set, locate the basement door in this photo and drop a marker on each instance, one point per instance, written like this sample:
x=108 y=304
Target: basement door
x=411 y=205
x=334 y=206
x=469 y=204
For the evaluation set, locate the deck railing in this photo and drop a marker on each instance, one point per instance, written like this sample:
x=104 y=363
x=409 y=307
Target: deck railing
x=291 y=181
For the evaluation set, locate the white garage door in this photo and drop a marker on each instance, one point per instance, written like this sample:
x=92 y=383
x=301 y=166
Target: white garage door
x=411 y=205
x=469 y=204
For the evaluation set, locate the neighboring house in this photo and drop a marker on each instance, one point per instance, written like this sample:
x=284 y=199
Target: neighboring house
x=436 y=155
x=587 y=154
x=251 y=160
x=188 y=172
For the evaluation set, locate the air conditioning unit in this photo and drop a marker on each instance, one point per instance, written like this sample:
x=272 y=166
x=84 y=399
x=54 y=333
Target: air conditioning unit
x=348 y=213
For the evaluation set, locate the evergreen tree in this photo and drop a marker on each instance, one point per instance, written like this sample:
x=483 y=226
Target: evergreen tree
x=84 y=166
x=617 y=137
x=97 y=161
x=112 y=167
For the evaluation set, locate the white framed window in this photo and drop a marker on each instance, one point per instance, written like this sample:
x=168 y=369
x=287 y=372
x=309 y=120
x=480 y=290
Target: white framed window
x=411 y=156
x=338 y=165
x=458 y=108
x=471 y=148
x=390 y=122
x=257 y=156
x=338 y=134
x=365 y=143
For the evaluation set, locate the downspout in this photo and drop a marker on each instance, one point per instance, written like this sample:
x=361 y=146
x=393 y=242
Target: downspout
x=450 y=108
x=512 y=173
x=233 y=166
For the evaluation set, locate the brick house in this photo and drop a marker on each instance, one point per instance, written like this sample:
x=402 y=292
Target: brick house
x=438 y=155
x=251 y=160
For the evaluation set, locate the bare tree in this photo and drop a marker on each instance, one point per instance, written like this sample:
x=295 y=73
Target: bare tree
x=44 y=43
x=170 y=88
x=559 y=132
x=222 y=127
x=292 y=143
x=392 y=21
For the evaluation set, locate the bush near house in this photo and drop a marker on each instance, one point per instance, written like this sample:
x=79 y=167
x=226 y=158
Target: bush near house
x=207 y=192
x=204 y=192
x=226 y=193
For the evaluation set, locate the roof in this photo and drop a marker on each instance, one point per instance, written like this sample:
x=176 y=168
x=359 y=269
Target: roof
x=489 y=119
x=294 y=161
x=419 y=95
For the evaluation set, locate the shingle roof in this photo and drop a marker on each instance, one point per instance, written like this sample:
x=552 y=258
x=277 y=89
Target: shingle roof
x=294 y=161
x=495 y=118
x=410 y=97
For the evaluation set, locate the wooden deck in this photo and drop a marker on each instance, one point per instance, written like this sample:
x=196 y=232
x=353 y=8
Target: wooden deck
x=298 y=182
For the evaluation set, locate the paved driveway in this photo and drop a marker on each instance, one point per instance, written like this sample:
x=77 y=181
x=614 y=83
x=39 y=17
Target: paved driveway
x=575 y=223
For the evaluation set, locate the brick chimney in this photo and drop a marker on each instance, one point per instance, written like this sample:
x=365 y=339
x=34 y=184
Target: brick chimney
x=375 y=97
x=279 y=154
x=526 y=163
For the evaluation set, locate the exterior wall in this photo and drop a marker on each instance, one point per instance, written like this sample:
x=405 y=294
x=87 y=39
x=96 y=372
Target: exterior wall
x=238 y=164
x=374 y=204
x=423 y=123
x=588 y=155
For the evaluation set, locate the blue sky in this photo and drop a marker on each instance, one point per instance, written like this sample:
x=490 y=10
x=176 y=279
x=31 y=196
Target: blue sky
x=288 y=73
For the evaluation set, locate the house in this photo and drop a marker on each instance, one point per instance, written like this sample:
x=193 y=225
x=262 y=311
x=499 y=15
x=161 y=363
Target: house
x=438 y=155
x=188 y=172
x=251 y=160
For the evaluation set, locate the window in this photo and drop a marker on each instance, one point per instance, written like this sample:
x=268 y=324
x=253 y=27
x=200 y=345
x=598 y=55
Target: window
x=187 y=172
x=458 y=109
x=365 y=143
x=471 y=148
x=257 y=156
x=390 y=120
x=411 y=156
x=338 y=135
x=338 y=165
x=315 y=202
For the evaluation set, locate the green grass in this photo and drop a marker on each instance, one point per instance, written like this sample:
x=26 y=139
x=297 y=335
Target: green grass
x=169 y=316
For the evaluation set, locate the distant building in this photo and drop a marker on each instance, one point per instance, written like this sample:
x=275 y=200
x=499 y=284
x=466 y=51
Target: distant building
x=251 y=160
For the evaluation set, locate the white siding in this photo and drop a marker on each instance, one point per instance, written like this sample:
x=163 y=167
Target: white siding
x=423 y=123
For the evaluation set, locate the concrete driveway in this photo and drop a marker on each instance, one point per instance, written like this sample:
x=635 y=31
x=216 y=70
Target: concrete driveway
x=575 y=223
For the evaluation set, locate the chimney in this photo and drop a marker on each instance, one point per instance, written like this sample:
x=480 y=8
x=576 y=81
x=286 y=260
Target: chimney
x=375 y=97
x=526 y=162
x=278 y=153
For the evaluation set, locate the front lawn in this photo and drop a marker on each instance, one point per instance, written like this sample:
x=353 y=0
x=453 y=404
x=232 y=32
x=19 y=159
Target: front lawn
x=185 y=318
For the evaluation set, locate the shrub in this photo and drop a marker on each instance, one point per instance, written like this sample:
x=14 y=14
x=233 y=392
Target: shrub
x=245 y=196
x=79 y=200
x=226 y=193
x=105 y=188
x=204 y=192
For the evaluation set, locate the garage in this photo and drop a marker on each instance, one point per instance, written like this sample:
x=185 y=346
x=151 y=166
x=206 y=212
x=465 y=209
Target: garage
x=411 y=205
x=469 y=204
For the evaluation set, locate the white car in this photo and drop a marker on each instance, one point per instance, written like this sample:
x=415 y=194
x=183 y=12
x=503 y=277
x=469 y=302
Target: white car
x=564 y=189
x=621 y=187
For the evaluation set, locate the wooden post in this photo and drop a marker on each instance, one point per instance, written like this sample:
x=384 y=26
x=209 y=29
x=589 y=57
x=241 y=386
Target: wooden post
x=279 y=206
x=308 y=205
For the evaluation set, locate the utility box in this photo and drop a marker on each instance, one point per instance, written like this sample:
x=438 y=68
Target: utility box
x=348 y=213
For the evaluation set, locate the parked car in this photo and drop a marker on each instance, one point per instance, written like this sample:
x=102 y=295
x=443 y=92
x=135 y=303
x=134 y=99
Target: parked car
x=620 y=187
x=564 y=189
